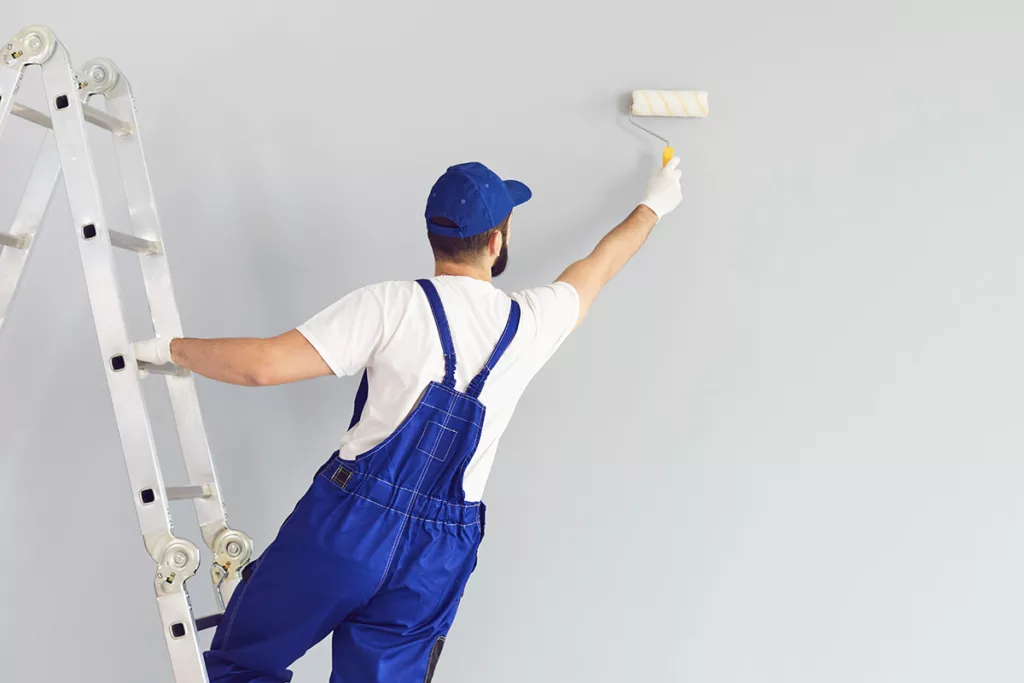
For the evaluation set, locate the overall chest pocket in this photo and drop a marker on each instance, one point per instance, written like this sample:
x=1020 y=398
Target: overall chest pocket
x=436 y=441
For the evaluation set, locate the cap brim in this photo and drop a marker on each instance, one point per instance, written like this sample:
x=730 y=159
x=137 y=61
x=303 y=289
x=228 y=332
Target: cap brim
x=518 y=191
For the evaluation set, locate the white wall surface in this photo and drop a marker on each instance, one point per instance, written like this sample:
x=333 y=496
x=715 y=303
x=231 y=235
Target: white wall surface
x=786 y=445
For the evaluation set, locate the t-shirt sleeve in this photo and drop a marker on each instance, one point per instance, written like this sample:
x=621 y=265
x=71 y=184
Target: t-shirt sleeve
x=554 y=310
x=347 y=333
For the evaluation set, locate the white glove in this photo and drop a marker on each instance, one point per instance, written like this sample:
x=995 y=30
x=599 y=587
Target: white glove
x=156 y=351
x=664 y=190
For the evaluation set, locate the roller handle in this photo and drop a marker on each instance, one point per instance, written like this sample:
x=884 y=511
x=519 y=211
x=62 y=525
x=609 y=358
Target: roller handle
x=667 y=155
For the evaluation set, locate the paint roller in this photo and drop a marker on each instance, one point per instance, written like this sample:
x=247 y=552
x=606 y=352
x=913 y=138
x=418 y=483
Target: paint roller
x=678 y=103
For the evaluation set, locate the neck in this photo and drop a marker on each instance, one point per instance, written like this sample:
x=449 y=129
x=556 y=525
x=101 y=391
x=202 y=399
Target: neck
x=462 y=270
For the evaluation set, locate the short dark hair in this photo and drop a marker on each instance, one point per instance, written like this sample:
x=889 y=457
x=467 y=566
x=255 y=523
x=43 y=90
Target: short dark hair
x=463 y=249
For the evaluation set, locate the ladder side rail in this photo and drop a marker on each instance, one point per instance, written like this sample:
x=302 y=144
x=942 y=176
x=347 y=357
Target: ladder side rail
x=177 y=559
x=27 y=48
x=28 y=220
x=10 y=79
x=231 y=548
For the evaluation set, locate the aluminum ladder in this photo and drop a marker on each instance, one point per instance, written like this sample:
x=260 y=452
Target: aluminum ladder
x=66 y=150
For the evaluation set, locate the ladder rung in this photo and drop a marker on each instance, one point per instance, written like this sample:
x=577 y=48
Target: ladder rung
x=16 y=241
x=168 y=369
x=188 y=492
x=105 y=120
x=92 y=115
x=30 y=114
x=203 y=623
x=133 y=243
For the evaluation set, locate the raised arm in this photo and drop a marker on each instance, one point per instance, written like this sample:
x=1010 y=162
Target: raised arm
x=247 y=361
x=590 y=274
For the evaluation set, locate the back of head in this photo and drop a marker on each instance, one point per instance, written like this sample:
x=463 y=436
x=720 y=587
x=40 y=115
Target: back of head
x=466 y=251
x=464 y=218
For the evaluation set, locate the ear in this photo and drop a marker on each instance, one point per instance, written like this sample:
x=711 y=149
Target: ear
x=494 y=245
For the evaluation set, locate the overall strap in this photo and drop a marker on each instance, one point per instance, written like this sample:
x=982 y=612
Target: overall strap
x=477 y=385
x=442 y=330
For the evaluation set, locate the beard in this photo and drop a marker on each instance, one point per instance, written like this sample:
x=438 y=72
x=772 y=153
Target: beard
x=501 y=262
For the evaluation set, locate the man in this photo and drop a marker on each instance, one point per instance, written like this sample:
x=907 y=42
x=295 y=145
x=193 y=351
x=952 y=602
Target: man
x=379 y=549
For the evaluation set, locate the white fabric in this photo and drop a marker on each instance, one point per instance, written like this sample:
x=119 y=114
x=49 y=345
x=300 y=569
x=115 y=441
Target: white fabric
x=664 y=190
x=156 y=351
x=389 y=329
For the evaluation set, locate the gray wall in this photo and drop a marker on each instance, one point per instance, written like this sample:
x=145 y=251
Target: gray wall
x=786 y=445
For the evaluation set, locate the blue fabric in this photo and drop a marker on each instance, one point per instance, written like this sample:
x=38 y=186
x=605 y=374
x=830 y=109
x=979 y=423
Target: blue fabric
x=474 y=198
x=477 y=385
x=360 y=401
x=443 y=331
x=376 y=553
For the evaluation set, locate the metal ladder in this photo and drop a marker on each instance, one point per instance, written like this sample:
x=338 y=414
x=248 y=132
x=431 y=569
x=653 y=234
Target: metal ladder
x=66 y=150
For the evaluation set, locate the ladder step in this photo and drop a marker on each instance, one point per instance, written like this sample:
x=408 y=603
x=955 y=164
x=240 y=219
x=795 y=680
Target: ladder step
x=188 y=492
x=30 y=114
x=169 y=369
x=105 y=120
x=92 y=115
x=15 y=241
x=203 y=623
x=133 y=243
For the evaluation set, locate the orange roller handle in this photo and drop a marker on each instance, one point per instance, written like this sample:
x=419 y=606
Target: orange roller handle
x=667 y=155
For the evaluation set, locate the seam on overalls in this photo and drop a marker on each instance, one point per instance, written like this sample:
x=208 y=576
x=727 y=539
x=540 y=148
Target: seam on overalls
x=467 y=506
x=461 y=419
x=238 y=605
x=412 y=516
x=432 y=453
x=423 y=495
x=401 y=529
x=479 y=427
x=448 y=450
x=455 y=394
x=255 y=570
x=479 y=431
x=369 y=455
x=472 y=449
x=252 y=576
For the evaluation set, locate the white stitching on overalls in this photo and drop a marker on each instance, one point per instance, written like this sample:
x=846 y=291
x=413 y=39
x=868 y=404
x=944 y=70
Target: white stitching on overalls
x=461 y=419
x=411 y=516
x=464 y=506
x=432 y=453
x=437 y=500
x=238 y=606
x=401 y=529
x=256 y=568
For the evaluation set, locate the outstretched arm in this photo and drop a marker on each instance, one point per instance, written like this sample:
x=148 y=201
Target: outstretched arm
x=247 y=361
x=590 y=274
x=339 y=340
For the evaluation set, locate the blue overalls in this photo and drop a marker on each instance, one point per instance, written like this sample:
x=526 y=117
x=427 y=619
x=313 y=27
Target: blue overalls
x=378 y=550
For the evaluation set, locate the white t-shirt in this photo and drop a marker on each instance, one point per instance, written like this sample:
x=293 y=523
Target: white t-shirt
x=388 y=329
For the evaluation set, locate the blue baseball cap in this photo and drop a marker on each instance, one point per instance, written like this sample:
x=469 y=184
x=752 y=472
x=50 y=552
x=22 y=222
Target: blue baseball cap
x=474 y=198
